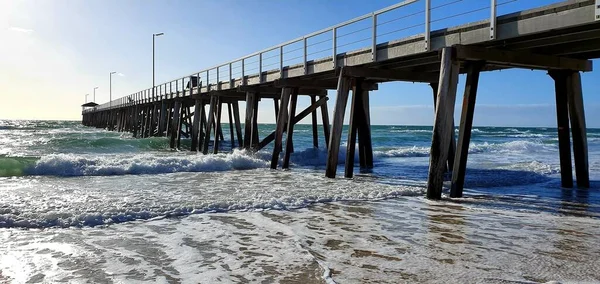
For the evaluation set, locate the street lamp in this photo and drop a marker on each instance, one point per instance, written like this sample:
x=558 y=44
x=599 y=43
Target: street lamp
x=153 y=37
x=110 y=89
x=94 y=97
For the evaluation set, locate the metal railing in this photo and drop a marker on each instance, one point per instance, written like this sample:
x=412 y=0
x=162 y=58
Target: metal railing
x=410 y=18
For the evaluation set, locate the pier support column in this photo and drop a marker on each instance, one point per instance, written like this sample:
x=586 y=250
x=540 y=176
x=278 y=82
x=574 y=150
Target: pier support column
x=335 y=137
x=365 y=144
x=281 y=122
x=175 y=125
x=231 y=135
x=325 y=120
x=578 y=130
x=198 y=109
x=359 y=126
x=289 y=144
x=250 y=97
x=562 y=120
x=452 y=149
x=442 y=128
x=218 y=130
x=238 y=124
x=466 y=124
x=162 y=118
x=315 y=131
x=209 y=124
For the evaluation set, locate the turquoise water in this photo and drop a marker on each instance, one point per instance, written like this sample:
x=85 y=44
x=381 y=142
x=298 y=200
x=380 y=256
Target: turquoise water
x=79 y=203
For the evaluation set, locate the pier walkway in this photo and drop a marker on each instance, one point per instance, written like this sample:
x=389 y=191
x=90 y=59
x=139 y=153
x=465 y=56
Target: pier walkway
x=560 y=39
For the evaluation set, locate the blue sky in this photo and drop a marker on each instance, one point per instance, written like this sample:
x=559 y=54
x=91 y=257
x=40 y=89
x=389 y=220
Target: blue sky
x=59 y=50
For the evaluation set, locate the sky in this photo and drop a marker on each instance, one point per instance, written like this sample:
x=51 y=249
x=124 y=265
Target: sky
x=55 y=52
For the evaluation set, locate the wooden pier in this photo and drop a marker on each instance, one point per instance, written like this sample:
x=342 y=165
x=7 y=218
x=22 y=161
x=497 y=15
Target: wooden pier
x=559 y=39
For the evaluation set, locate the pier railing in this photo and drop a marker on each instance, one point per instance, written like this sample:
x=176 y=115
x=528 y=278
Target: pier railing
x=412 y=19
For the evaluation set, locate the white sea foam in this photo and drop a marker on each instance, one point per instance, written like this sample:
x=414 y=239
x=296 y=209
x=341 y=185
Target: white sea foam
x=80 y=165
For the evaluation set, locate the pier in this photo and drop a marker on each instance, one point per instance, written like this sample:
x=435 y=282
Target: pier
x=559 y=39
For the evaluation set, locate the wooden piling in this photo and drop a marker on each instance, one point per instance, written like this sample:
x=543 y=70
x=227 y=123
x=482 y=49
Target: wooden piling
x=466 y=124
x=248 y=122
x=289 y=144
x=254 y=138
x=209 y=124
x=175 y=125
x=355 y=108
x=196 y=124
x=578 y=130
x=333 y=149
x=562 y=120
x=218 y=128
x=238 y=124
x=442 y=128
x=325 y=121
x=231 y=136
x=281 y=122
x=315 y=131
x=365 y=144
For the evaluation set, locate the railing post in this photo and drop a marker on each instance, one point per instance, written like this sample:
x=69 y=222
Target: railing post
x=243 y=73
x=493 y=8
x=374 y=38
x=334 y=48
x=230 y=76
x=305 y=55
x=207 y=81
x=218 y=87
x=260 y=68
x=427 y=25
x=281 y=61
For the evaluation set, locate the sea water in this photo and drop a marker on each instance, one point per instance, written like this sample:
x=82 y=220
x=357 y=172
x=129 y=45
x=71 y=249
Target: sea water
x=81 y=204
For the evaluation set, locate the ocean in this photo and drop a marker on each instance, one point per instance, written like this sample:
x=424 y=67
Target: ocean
x=86 y=205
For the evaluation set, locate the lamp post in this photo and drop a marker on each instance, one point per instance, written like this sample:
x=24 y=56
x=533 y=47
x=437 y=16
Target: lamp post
x=110 y=89
x=94 y=97
x=153 y=37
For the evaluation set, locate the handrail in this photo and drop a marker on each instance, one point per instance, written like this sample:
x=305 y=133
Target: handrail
x=160 y=91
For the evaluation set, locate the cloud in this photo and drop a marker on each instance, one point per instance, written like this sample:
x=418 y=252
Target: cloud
x=21 y=30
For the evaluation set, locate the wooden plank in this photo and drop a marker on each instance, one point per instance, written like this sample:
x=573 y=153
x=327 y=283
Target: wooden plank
x=466 y=124
x=389 y=74
x=325 y=121
x=315 y=131
x=218 y=126
x=562 y=120
x=442 y=127
x=238 y=124
x=209 y=124
x=336 y=129
x=289 y=144
x=231 y=135
x=196 y=124
x=578 y=130
x=355 y=109
x=281 y=121
x=525 y=59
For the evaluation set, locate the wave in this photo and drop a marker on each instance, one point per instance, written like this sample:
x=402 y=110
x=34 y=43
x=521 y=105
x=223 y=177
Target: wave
x=70 y=165
x=509 y=147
